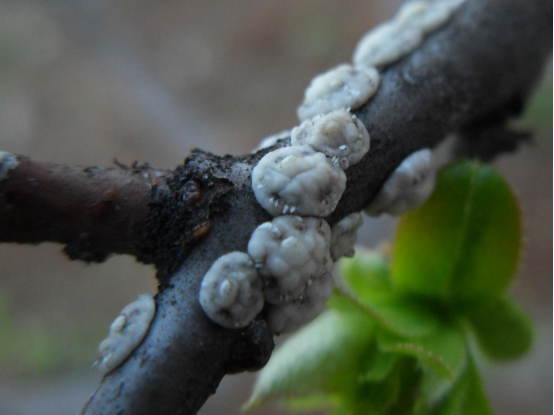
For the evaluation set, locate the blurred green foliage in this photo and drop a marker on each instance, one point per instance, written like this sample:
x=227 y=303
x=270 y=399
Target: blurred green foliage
x=404 y=335
x=30 y=348
x=463 y=246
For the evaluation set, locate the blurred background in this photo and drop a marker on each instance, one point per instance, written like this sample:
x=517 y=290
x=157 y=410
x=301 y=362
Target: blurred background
x=88 y=82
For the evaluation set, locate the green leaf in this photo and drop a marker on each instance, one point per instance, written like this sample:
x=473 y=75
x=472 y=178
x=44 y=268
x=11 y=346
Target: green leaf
x=367 y=275
x=310 y=402
x=403 y=316
x=395 y=394
x=347 y=303
x=466 y=396
x=375 y=397
x=443 y=351
x=322 y=357
x=410 y=399
x=433 y=387
x=377 y=365
x=343 y=408
x=463 y=244
x=502 y=329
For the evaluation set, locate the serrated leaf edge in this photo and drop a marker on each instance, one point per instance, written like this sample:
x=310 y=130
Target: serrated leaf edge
x=420 y=351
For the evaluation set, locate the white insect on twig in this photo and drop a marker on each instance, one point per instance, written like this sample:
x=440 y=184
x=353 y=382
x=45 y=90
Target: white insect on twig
x=340 y=87
x=297 y=180
x=271 y=140
x=339 y=135
x=288 y=317
x=408 y=187
x=392 y=40
x=426 y=15
x=386 y=44
x=293 y=255
x=231 y=291
x=344 y=235
x=126 y=332
x=290 y=253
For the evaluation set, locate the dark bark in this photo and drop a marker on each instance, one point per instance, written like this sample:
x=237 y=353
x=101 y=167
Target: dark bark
x=94 y=211
x=470 y=76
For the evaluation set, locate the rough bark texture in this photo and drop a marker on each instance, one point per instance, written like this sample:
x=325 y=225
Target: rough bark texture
x=469 y=76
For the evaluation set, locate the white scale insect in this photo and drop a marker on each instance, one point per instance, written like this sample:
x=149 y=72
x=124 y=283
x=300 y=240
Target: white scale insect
x=340 y=87
x=339 y=135
x=290 y=253
x=231 y=291
x=307 y=178
x=297 y=180
x=344 y=235
x=271 y=140
x=126 y=332
x=392 y=40
x=288 y=317
x=408 y=187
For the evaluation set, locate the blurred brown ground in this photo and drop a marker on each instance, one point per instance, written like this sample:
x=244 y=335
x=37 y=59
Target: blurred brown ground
x=87 y=82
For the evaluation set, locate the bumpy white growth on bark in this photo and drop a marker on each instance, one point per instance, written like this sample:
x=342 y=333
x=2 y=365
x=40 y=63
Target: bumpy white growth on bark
x=288 y=317
x=297 y=180
x=339 y=135
x=126 y=333
x=392 y=40
x=344 y=235
x=271 y=140
x=408 y=187
x=231 y=291
x=340 y=87
x=426 y=15
x=7 y=162
x=386 y=44
x=290 y=254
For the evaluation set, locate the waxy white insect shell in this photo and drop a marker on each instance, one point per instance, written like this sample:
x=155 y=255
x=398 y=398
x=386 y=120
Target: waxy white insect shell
x=392 y=40
x=231 y=291
x=290 y=253
x=408 y=187
x=271 y=140
x=340 y=87
x=425 y=15
x=344 y=235
x=290 y=316
x=297 y=180
x=339 y=135
x=126 y=333
x=386 y=44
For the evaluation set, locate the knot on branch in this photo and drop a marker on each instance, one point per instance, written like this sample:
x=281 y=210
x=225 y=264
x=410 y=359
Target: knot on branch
x=181 y=211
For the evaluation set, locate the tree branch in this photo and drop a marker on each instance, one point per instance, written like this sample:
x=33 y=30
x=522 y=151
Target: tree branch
x=479 y=67
x=95 y=211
